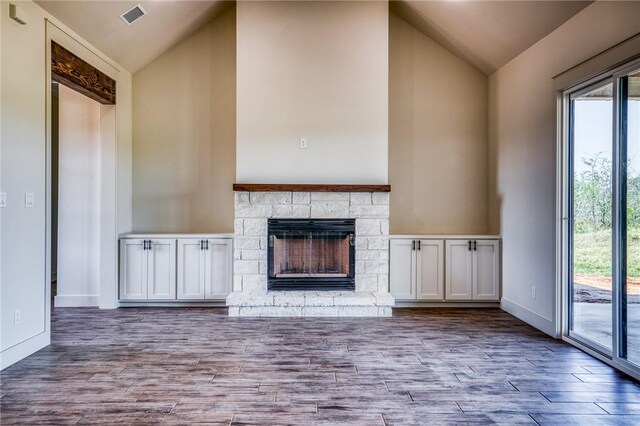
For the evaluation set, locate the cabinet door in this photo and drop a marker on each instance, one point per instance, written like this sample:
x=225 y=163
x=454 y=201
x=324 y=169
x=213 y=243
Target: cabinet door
x=459 y=270
x=430 y=265
x=402 y=271
x=486 y=270
x=217 y=268
x=190 y=269
x=133 y=270
x=161 y=279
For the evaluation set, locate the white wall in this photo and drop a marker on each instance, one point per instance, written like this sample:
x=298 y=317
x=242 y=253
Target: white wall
x=22 y=169
x=79 y=200
x=184 y=153
x=24 y=273
x=437 y=137
x=317 y=70
x=522 y=126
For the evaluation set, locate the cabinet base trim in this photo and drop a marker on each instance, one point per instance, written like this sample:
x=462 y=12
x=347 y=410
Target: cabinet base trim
x=173 y=304
x=401 y=304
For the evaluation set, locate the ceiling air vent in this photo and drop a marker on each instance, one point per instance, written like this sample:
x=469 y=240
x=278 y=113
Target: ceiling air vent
x=133 y=14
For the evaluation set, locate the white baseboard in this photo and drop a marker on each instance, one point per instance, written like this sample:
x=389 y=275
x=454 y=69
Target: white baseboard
x=531 y=318
x=76 y=301
x=22 y=350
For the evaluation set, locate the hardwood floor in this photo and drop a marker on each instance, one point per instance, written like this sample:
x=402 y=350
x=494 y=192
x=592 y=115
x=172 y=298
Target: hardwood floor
x=162 y=365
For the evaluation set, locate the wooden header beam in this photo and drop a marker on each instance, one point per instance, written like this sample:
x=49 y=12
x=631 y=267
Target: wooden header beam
x=73 y=72
x=267 y=187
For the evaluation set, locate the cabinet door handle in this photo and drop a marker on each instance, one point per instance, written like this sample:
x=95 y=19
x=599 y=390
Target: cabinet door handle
x=469 y=247
x=206 y=244
x=413 y=245
x=475 y=246
x=144 y=244
x=201 y=244
x=149 y=246
x=419 y=244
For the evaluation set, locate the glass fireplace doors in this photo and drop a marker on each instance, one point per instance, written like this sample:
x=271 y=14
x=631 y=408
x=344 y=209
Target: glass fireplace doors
x=311 y=254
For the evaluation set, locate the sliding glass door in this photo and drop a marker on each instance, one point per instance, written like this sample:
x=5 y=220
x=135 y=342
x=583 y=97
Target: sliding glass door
x=591 y=166
x=629 y=124
x=602 y=210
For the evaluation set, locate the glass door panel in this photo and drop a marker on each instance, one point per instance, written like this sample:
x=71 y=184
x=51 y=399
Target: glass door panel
x=630 y=153
x=590 y=174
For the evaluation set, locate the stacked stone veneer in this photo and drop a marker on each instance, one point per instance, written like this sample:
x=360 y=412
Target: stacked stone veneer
x=371 y=296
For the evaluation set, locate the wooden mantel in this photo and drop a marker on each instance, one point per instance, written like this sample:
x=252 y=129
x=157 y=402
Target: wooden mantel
x=304 y=187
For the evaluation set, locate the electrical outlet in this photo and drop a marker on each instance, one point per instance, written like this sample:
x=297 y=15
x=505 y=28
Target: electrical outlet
x=304 y=143
x=17 y=317
x=533 y=292
x=29 y=200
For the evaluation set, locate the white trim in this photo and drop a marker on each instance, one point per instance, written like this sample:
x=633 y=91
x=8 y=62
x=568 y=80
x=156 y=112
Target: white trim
x=76 y=301
x=447 y=305
x=447 y=236
x=543 y=324
x=22 y=350
x=152 y=235
x=108 y=165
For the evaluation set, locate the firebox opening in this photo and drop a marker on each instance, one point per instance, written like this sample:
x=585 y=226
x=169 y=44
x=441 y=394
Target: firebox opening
x=311 y=254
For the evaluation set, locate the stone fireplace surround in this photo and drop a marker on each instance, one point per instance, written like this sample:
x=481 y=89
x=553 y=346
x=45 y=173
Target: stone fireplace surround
x=250 y=296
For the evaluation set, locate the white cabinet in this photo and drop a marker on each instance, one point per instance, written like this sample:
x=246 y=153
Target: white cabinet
x=133 y=269
x=204 y=268
x=147 y=269
x=218 y=274
x=486 y=270
x=176 y=268
x=416 y=269
x=459 y=270
x=452 y=269
x=190 y=269
x=430 y=276
x=473 y=270
x=402 y=269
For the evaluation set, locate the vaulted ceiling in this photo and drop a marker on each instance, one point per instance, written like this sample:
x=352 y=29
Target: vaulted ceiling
x=167 y=22
x=487 y=34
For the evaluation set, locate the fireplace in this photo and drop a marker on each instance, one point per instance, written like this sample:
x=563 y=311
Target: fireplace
x=311 y=254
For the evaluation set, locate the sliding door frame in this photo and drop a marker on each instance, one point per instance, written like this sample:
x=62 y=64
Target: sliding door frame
x=569 y=97
x=615 y=357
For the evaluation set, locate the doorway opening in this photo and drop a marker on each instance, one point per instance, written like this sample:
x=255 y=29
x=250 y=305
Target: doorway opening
x=82 y=176
x=75 y=198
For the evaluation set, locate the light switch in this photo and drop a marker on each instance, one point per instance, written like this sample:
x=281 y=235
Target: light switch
x=304 y=143
x=28 y=200
x=3 y=199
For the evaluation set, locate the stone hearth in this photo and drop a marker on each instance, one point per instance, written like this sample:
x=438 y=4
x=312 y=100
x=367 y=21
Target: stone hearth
x=250 y=296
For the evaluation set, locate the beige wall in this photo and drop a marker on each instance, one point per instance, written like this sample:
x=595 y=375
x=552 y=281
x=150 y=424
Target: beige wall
x=437 y=137
x=317 y=70
x=522 y=126
x=184 y=134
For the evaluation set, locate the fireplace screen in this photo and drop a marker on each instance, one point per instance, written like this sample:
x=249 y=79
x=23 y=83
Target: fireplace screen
x=311 y=254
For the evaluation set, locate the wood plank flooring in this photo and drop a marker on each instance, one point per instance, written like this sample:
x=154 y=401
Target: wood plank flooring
x=428 y=367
